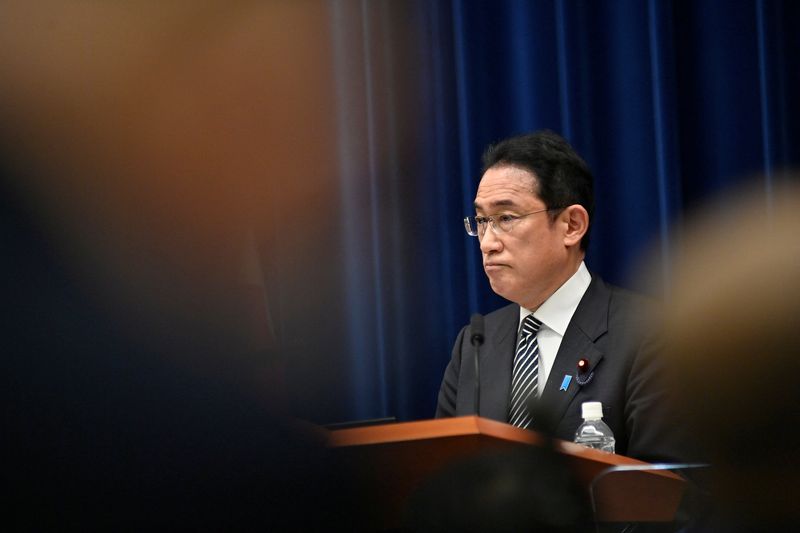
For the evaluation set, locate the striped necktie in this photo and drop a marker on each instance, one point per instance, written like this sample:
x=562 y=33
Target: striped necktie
x=525 y=376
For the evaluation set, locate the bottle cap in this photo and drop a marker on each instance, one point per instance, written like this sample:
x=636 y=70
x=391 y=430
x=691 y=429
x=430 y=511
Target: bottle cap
x=592 y=410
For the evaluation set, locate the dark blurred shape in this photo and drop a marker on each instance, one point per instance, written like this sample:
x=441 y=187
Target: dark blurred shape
x=520 y=490
x=144 y=148
x=530 y=489
x=733 y=352
x=545 y=420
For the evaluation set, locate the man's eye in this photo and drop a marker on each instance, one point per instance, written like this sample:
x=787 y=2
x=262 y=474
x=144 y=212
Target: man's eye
x=504 y=219
x=480 y=220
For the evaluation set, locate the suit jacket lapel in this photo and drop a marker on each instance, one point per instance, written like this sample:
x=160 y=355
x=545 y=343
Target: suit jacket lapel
x=496 y=361
x=588 y=324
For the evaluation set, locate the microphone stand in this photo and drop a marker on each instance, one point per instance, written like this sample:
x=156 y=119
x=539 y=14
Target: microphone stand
x=476 y=338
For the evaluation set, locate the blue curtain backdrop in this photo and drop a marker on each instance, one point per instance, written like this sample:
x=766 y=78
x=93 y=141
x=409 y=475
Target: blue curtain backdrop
x=669 y=102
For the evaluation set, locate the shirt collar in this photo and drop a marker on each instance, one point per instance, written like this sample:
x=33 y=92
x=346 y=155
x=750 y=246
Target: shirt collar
x=556 y=312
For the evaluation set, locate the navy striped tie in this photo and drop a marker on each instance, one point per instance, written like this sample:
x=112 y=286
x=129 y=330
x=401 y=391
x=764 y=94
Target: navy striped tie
x=525 y=376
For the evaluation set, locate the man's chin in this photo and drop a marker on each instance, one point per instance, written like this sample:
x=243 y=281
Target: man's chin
x=501 y=289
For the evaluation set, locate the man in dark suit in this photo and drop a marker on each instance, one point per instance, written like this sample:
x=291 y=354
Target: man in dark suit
x=584 y=341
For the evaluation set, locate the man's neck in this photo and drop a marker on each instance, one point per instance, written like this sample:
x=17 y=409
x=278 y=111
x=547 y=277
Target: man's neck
x=567 y=272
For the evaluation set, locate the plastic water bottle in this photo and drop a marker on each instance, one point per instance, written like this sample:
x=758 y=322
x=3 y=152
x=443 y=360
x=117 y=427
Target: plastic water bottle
x=594 y=433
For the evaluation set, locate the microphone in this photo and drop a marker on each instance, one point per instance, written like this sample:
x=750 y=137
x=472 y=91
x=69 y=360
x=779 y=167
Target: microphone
x=476 y=338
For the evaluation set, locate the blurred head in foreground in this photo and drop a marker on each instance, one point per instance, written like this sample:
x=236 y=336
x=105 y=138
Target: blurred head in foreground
x=733 y=349
x=521 y=490
x=146 y=145
x=141 y=146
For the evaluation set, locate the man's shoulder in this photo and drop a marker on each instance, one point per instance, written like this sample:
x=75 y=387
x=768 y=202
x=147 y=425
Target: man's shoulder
x=619 y=295
x=503 y=314
x=501 y=321
x=623 y=303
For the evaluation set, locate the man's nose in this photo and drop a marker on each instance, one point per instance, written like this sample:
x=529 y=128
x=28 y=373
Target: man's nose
x=490 y=242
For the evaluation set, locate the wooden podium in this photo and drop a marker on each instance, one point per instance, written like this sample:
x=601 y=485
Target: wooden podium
x=390 y=461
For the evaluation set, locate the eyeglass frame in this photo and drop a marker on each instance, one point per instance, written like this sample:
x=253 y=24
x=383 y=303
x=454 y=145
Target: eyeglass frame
x=492 y=222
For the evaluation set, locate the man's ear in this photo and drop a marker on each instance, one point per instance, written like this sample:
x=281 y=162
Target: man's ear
x=576 y=219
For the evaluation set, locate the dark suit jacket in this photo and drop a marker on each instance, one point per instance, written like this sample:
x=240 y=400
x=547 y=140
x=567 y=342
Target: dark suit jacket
x=608 y=329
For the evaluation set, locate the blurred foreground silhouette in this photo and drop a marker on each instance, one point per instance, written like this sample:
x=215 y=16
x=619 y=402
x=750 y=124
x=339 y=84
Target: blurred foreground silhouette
x=522 y=490
x=143 y=149
x=732 y=352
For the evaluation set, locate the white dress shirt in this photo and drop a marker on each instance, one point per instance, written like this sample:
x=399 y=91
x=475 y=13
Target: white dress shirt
x=555 y=314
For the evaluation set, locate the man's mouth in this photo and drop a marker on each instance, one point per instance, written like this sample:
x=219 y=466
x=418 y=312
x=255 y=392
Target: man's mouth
x=491 y=267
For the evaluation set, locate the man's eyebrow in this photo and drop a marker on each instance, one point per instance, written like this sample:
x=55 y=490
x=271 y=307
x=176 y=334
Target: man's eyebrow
x=499 y=203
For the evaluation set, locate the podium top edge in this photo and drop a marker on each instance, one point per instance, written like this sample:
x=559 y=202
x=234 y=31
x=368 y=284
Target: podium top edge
x=468 y=426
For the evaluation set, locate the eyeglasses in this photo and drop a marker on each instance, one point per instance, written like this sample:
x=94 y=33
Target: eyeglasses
x=503 y=223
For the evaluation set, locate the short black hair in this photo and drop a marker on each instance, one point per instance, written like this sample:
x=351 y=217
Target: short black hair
x=562 y=178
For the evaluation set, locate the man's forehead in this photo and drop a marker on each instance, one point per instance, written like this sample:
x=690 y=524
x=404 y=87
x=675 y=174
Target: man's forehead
x=509 y=202
x=506 y=186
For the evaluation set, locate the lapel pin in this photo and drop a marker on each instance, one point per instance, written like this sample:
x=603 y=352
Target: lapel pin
x=565 y=382
x=583 y=377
